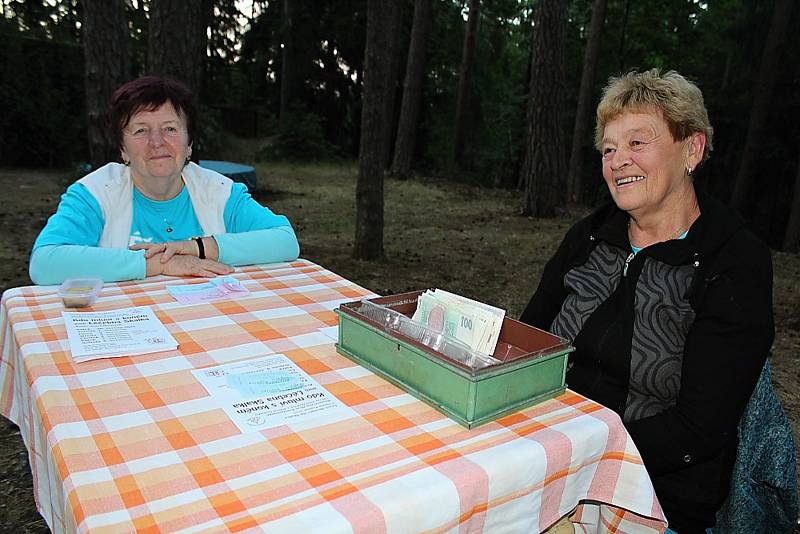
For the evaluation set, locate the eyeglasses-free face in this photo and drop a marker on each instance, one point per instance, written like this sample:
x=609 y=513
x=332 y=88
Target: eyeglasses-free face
x=143 y=133
x=643 y=166
x=155 y=143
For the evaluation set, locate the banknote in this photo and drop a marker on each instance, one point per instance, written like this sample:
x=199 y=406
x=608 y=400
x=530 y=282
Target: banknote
x=475 y=324
x=491 y=318
x=438 y=316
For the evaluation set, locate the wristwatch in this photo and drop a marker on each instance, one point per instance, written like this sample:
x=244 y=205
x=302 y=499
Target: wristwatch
x=201 y=248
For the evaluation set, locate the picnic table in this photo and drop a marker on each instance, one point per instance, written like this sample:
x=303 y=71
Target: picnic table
x=237 y=172
x=136 y=443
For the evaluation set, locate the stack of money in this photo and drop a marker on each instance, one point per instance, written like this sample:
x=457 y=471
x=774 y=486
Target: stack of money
x=474 y=323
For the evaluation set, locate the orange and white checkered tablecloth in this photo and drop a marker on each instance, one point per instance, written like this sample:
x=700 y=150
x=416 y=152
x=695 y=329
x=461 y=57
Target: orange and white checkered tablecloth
x=137 y=444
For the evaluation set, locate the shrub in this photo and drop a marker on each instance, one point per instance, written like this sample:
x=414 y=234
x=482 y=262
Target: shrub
x=299 y=136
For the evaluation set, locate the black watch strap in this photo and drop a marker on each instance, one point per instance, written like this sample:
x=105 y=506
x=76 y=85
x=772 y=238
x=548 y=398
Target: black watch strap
x=201 y=248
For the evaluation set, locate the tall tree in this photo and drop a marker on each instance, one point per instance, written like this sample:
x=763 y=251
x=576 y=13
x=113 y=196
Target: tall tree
x=394 y=27
x=177 y=41
x=369 y=188
x=465 y=82
x=412 y=91
x=543 y=164
x=287 y=61
x=582 y=114
x=622 y=34
x=791 y=239
x=771 y=59
x=106 y=67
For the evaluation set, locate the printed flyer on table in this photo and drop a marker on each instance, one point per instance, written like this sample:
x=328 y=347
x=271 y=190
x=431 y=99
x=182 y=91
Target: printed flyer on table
x=268 y=392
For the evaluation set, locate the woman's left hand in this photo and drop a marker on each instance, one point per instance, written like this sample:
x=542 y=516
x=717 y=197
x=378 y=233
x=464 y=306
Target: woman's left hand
x=168 y=249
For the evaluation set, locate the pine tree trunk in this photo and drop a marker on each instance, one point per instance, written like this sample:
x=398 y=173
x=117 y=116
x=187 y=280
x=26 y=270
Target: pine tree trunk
x=177 y=41
x=369 y=189
x=544 y=162
x=412 y=91
x=106 y=67
x=621 y=52
x=771 y=58
x=583 y=112
x=791 y=239
x=465 y=83
x=394 y=26
x=287 y=63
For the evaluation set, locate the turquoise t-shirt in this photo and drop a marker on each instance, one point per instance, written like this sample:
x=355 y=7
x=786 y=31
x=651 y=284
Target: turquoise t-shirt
x=157 y=221
x=67 y=246
x=636 y=249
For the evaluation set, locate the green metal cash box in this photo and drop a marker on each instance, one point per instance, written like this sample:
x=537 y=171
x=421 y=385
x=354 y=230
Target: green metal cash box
x=528 y=364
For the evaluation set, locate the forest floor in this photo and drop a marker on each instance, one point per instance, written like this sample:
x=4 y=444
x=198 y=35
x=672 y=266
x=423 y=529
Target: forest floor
x=465 y=239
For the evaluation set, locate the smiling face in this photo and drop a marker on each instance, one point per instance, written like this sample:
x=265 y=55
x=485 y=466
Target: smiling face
x=155 y=144
x=645 y=169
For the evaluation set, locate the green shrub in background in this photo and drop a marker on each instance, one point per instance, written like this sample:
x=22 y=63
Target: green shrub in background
x=43 y=123
x=299 y=137
x=209 y=138
x=267 y=122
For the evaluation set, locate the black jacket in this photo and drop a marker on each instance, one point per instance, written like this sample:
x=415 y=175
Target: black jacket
x=673 y=339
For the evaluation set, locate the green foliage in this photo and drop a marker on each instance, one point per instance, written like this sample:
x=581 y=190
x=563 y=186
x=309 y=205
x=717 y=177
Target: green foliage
x=57 y=21
x=300 y=137
x=717 y=44
x=440 y=87
x=328 y=40
x=209 y=141
x=41 y=87
x=498 y=103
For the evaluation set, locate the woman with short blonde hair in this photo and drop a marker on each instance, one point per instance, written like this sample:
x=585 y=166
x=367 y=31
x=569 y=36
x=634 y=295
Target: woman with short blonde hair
x=665 y=294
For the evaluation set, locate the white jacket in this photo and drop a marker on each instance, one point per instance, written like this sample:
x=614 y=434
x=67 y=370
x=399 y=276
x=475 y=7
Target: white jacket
x=111 y=185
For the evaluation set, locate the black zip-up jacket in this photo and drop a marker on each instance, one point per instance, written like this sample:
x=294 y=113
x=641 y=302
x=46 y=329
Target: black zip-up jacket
x=673 y=339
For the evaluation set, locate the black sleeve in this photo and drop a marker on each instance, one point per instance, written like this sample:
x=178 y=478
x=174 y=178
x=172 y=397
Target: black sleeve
x=549 y=296
x=724 y=352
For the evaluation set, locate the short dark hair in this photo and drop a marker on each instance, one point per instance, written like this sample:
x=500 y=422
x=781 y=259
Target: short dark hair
x=147 y=94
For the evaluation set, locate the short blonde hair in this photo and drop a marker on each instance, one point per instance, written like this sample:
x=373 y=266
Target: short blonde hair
x=679 y=100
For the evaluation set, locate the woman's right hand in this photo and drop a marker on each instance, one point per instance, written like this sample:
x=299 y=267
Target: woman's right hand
x=172 y=248
x=185 y=265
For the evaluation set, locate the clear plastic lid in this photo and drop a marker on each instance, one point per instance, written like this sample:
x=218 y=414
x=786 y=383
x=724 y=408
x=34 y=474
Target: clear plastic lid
x=394 y=321
x=80 y=292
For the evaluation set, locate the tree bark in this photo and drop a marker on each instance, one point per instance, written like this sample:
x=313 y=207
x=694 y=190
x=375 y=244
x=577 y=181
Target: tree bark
x=405 y=143
x=582 y=114
x=621 y=53
x=142 y=11
x=287 y=63
x=465 y=82
x=791 y=239
x=177 y=41
x=544 y=162
x=106 y=67
x=369 y=188
x=394 y=26
x=771 y=58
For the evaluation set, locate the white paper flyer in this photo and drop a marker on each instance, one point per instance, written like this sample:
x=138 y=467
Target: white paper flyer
x=123 y=332
x=270 y=391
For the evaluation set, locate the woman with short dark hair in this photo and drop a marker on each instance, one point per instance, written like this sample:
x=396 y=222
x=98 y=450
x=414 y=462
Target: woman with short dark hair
x=157 y=212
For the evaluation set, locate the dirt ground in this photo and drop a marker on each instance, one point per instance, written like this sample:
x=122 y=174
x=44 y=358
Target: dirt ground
x=465 y=239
